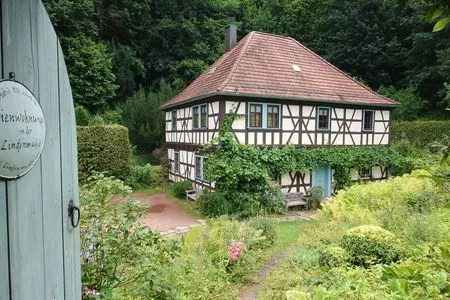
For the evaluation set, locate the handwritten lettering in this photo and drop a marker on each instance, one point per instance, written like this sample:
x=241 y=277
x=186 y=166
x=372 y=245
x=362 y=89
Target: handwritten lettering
x=22 y=129
x=20 y=118
x=19 y=144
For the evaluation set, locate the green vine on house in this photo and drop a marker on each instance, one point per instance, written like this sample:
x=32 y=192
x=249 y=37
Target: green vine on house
x=242 y=173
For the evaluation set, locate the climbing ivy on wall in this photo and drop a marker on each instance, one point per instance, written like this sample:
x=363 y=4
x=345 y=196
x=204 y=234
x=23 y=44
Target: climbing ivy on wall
x=238 y=168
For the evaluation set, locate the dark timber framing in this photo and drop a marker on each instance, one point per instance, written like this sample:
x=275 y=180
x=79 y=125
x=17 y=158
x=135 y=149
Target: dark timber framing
x=298 y=126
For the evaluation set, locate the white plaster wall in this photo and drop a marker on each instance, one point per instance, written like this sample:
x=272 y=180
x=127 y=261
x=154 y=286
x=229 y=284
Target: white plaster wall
x=306 y=112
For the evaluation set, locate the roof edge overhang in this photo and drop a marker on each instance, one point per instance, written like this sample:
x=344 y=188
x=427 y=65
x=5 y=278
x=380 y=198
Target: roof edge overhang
x=289 y=98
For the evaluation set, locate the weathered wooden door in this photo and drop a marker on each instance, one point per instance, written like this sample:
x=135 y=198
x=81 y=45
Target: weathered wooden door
x=39 y=249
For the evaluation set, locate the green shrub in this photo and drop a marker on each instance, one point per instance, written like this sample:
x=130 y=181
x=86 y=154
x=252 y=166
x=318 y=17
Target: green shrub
x=383 y=203
x=213 y=204
x=120 y=255
x=368 y=245
x=179 y=188
x=82 y=116
x=146 y=176
x=267 y=227
x=333 y=257
x=316 y=194
x=421 y=133
x=103 y=148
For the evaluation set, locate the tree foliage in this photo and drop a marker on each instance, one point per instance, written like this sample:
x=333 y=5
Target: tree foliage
x=115 y=48
x=143 y=118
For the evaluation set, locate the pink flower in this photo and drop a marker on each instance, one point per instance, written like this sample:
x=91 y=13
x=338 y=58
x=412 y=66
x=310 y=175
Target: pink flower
x=234 y=251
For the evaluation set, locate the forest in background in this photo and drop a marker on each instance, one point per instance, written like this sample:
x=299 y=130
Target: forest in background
x=126 y=57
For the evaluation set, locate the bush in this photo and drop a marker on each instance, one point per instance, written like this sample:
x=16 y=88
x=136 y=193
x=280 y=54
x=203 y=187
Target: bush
x=316 y=194
x=421 y=133
x=333 y=257
x=411 y=104
x=384 y=203
x=103 y=148
x=118 y=252
x=267 y=227
x=82 y=116
x=146 y=176
x=369 y=245
x=213 y=204
x=179 y=188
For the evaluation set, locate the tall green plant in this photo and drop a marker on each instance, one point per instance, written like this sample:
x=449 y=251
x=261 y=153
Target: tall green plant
x=144 y=119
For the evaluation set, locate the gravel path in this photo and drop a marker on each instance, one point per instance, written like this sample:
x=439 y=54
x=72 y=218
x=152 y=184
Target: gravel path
x=165 y=214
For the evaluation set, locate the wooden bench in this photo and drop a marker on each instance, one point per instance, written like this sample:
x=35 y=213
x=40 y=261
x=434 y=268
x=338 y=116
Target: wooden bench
x=296 y=199
x=193 y=194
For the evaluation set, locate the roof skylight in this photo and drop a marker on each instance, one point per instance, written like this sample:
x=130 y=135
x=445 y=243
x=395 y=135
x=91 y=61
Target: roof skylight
x=296 y=68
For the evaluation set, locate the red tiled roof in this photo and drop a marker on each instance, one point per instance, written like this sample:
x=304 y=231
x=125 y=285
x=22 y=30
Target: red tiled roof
x=261 y=65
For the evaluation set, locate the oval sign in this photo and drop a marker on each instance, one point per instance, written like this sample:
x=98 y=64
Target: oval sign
x=22 y=129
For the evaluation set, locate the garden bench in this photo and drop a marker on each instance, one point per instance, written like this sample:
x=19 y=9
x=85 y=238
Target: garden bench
x=193 y=194
x=296 y=199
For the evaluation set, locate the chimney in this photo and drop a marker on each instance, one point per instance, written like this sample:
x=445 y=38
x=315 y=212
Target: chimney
x=230 y=37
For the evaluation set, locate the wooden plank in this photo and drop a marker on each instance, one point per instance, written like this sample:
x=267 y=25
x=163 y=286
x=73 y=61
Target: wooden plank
x=25 y=194
x=4 y=259
x=4 y=256
x=69 y=187
x=51 y=192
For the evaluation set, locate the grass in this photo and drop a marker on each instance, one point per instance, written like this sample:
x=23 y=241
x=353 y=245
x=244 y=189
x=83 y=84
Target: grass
x=287 y=233
x=189 y=207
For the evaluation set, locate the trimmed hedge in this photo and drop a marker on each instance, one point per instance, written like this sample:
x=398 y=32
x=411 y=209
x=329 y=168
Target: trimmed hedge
x=369 y=245
x=103 y=148
x=421 y=133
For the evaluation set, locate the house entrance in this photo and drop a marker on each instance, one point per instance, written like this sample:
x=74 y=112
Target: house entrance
x=321 y=176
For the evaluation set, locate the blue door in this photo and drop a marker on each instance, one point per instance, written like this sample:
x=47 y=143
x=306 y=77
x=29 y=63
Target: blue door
x=321 y=176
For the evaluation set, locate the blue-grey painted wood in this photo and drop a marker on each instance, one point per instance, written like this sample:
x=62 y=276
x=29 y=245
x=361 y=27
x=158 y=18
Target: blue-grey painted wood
x=24 y=195
x=69 y=172
x=4 y=260
x=4 y=276
x=44 y=260
x=51 y=157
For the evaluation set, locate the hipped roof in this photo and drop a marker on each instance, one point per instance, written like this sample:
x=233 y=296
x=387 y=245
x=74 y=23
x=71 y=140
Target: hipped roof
x=272 y=66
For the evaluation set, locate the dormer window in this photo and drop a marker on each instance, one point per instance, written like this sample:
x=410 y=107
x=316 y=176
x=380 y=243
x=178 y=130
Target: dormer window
x=368 y=120
x=323 y=118
x=200 y=116
x=263 y=115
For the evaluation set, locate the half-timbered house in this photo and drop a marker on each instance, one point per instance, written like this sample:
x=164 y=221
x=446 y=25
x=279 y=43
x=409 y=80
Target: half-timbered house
x=283 y=93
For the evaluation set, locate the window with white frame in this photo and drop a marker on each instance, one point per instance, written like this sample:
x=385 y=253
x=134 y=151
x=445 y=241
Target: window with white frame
x=176 y=162
x=174 y=120
x=199 y=166
x=368 y=120
x=200 y=116
x=264 y=115
x=323 y=118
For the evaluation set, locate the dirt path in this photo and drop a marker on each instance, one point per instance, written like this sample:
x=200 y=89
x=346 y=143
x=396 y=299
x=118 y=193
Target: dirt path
x=164 y=213
x=250 y=291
